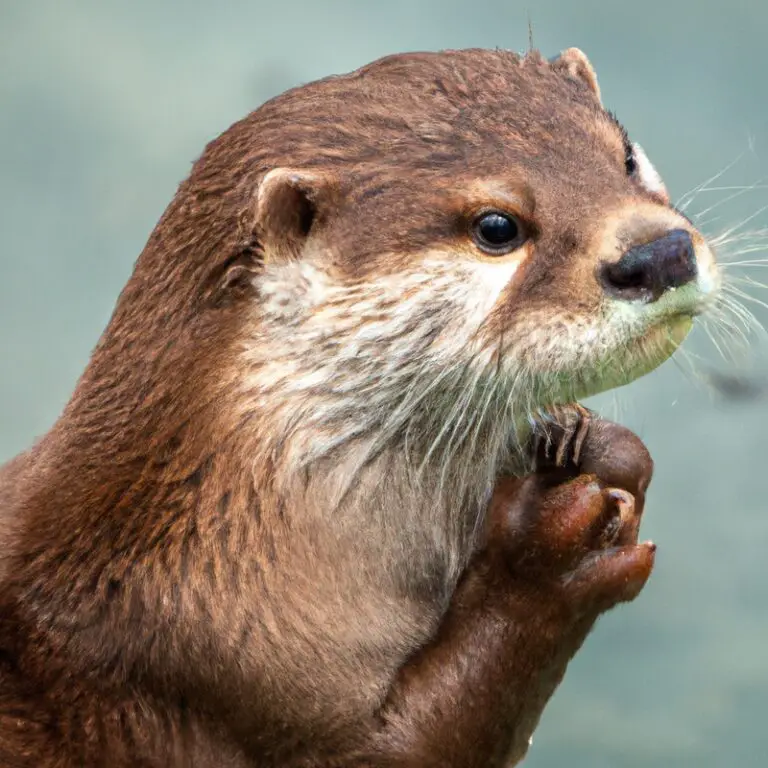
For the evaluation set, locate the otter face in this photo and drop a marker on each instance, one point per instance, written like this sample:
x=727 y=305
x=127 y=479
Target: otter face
x=463 y=231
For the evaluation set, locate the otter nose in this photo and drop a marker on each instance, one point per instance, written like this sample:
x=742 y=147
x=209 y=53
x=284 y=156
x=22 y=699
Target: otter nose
x=645 y=272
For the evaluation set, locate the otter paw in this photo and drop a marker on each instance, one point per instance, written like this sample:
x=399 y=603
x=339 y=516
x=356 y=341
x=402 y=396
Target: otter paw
x=573 y=440
x=576 y=539
x=618 y=457
x=588 y=536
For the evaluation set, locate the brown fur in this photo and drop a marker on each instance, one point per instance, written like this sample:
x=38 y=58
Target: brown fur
x=178 y=585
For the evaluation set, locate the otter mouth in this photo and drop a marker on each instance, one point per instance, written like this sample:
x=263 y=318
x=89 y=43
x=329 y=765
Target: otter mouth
x=661 y=342
x=672 y=332
x=648 y=332
x=638 y=356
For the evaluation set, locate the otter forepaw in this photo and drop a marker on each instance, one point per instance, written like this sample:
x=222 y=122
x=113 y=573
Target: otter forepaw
x=576 y=539
x=591 y=532
x=573 y=439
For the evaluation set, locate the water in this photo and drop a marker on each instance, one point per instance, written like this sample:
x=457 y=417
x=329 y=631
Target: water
x=102 y=109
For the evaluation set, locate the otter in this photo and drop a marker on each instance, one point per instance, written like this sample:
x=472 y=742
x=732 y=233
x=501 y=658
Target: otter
x=290 y=516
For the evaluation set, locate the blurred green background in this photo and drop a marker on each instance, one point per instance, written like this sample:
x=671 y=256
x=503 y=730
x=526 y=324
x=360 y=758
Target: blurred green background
x=103 y=106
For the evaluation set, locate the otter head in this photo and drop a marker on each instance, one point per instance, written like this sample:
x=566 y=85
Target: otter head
x=453 y=240
x=418 y=254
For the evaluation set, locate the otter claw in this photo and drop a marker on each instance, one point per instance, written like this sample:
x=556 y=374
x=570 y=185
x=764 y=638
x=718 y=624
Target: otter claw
x=565 y=426
x=619 y=517
x=625 y=502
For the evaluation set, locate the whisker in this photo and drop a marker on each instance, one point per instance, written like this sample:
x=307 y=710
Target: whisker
x=746 y=187
x=751 y=234
x=684 y=361
x=746 y=280
x=729 y=302
x=744 y=295
x=748 y=262
x=749 y=218
x=690 y=196
x=723 y=201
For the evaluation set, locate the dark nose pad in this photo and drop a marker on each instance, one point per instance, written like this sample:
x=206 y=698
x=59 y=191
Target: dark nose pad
x=647 y=271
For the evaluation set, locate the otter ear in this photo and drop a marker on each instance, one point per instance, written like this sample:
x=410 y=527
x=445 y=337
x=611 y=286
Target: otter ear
x=575 y=64
x=289 y=204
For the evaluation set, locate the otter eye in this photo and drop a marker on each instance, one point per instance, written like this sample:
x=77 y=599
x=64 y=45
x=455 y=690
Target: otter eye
x=497 y=232
x=630 y=161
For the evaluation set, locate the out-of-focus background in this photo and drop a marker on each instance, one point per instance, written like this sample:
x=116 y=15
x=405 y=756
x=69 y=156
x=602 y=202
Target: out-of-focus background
x=103 y=107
